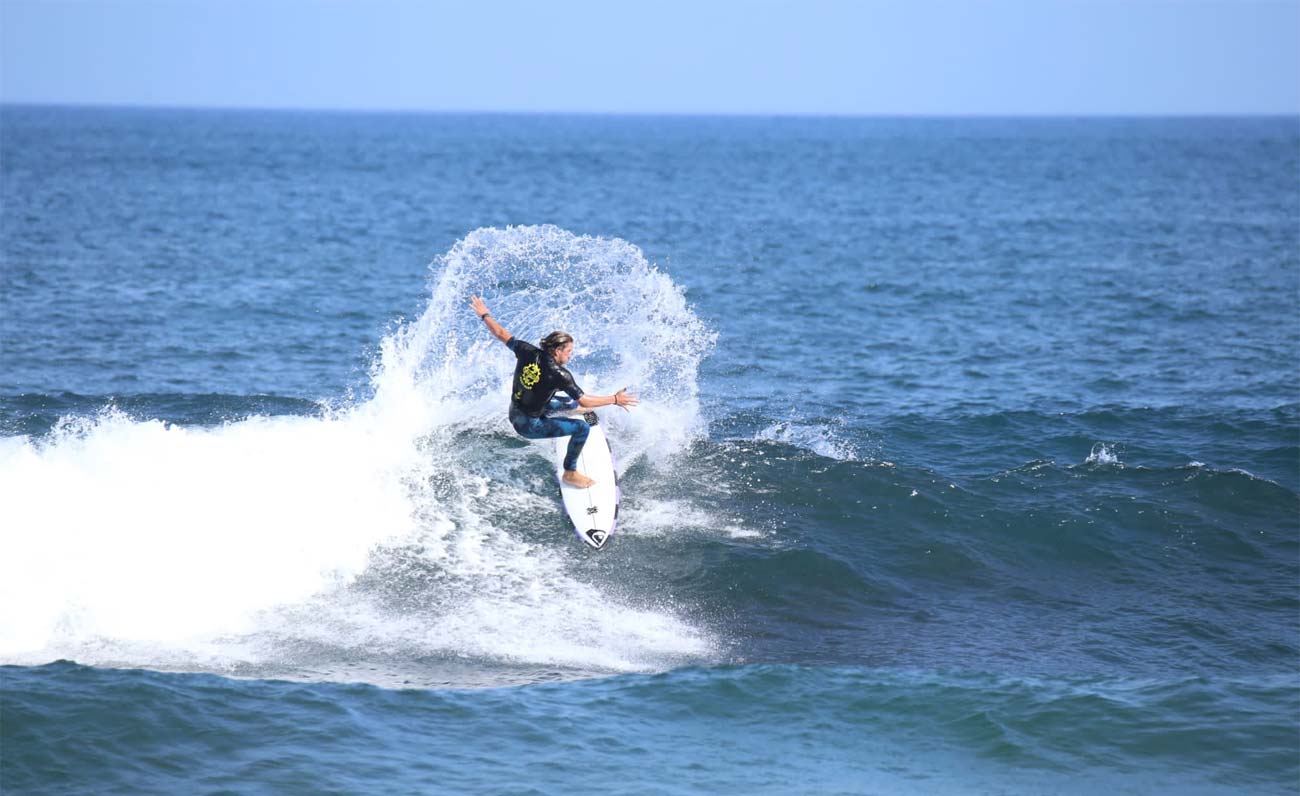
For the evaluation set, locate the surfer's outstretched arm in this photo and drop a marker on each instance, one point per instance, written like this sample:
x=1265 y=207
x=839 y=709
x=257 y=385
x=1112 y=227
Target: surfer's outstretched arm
x=621 y=398
x=480 y=309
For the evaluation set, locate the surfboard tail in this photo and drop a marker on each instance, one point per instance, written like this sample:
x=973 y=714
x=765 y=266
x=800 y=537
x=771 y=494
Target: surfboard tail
x=594 y=537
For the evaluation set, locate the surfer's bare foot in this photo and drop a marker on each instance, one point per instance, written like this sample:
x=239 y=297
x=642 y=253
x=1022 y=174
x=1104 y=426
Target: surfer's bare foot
x=575 y=478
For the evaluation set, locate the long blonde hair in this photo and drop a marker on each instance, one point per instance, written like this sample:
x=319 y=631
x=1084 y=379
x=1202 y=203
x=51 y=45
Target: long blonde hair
x=555 y=341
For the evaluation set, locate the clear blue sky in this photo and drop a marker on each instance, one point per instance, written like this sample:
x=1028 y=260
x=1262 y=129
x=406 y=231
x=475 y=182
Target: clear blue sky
x=767 y=56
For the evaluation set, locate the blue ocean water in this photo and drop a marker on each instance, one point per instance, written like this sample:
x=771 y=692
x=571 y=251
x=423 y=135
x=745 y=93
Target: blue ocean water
x=968 y=458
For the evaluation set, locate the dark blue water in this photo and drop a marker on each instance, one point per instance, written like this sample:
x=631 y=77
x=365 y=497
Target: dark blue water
x=968 y=458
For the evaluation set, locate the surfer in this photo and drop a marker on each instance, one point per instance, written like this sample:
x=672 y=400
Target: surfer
x=539 y=375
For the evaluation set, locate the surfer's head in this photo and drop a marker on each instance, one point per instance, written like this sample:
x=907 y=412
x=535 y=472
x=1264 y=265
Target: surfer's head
x=559 y=345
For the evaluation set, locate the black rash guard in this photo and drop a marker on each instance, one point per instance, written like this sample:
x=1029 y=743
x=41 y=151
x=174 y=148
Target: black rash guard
x=537 y=378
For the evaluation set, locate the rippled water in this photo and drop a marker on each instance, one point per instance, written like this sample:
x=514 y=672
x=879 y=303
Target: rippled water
x=968 y=459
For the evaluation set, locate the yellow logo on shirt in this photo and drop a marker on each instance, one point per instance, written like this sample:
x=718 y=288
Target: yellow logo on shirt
x=530 y=376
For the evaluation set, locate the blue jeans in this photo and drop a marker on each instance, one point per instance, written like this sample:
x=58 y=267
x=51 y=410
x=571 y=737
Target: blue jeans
x=548 y=427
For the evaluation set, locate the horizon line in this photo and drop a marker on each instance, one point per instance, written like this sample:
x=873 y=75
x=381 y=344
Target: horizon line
x=660 y=113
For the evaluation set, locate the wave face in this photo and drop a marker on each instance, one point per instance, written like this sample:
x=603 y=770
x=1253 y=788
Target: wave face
x=407 y=536
x=398 y=540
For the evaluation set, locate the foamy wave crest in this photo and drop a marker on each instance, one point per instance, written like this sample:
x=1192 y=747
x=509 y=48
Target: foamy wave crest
x=1103 y=455
x=631 y=325
x=818 y=438
x=408 y=525
x=121 y=529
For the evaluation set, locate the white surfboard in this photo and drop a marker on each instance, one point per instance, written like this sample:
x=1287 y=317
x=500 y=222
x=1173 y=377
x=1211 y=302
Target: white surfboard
x=594 y=510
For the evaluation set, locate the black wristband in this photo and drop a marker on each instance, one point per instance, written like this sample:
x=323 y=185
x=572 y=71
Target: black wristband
x=484 y=315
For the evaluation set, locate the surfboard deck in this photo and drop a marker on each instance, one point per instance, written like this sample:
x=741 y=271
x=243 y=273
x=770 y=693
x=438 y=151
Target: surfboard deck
x=594 y=510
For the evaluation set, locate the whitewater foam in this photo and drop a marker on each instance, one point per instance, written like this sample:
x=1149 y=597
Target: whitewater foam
x=1103 y=455
x=631 y=325
x=143 y=530
x=651 y=517
x=818 y=438
x=411 y=523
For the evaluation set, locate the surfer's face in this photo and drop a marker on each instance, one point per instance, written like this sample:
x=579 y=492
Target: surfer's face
x=561 y=355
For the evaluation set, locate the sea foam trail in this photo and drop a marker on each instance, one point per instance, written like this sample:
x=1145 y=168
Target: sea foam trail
x=393 y=526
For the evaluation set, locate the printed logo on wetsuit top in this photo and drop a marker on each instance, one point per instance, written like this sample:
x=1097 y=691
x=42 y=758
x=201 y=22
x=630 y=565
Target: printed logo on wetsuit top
x=530 y=376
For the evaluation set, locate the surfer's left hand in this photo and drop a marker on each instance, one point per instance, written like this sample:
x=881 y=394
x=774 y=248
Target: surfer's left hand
x=624 y=399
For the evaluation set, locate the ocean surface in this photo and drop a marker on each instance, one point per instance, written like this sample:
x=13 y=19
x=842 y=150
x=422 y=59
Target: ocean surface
x=967 y=459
